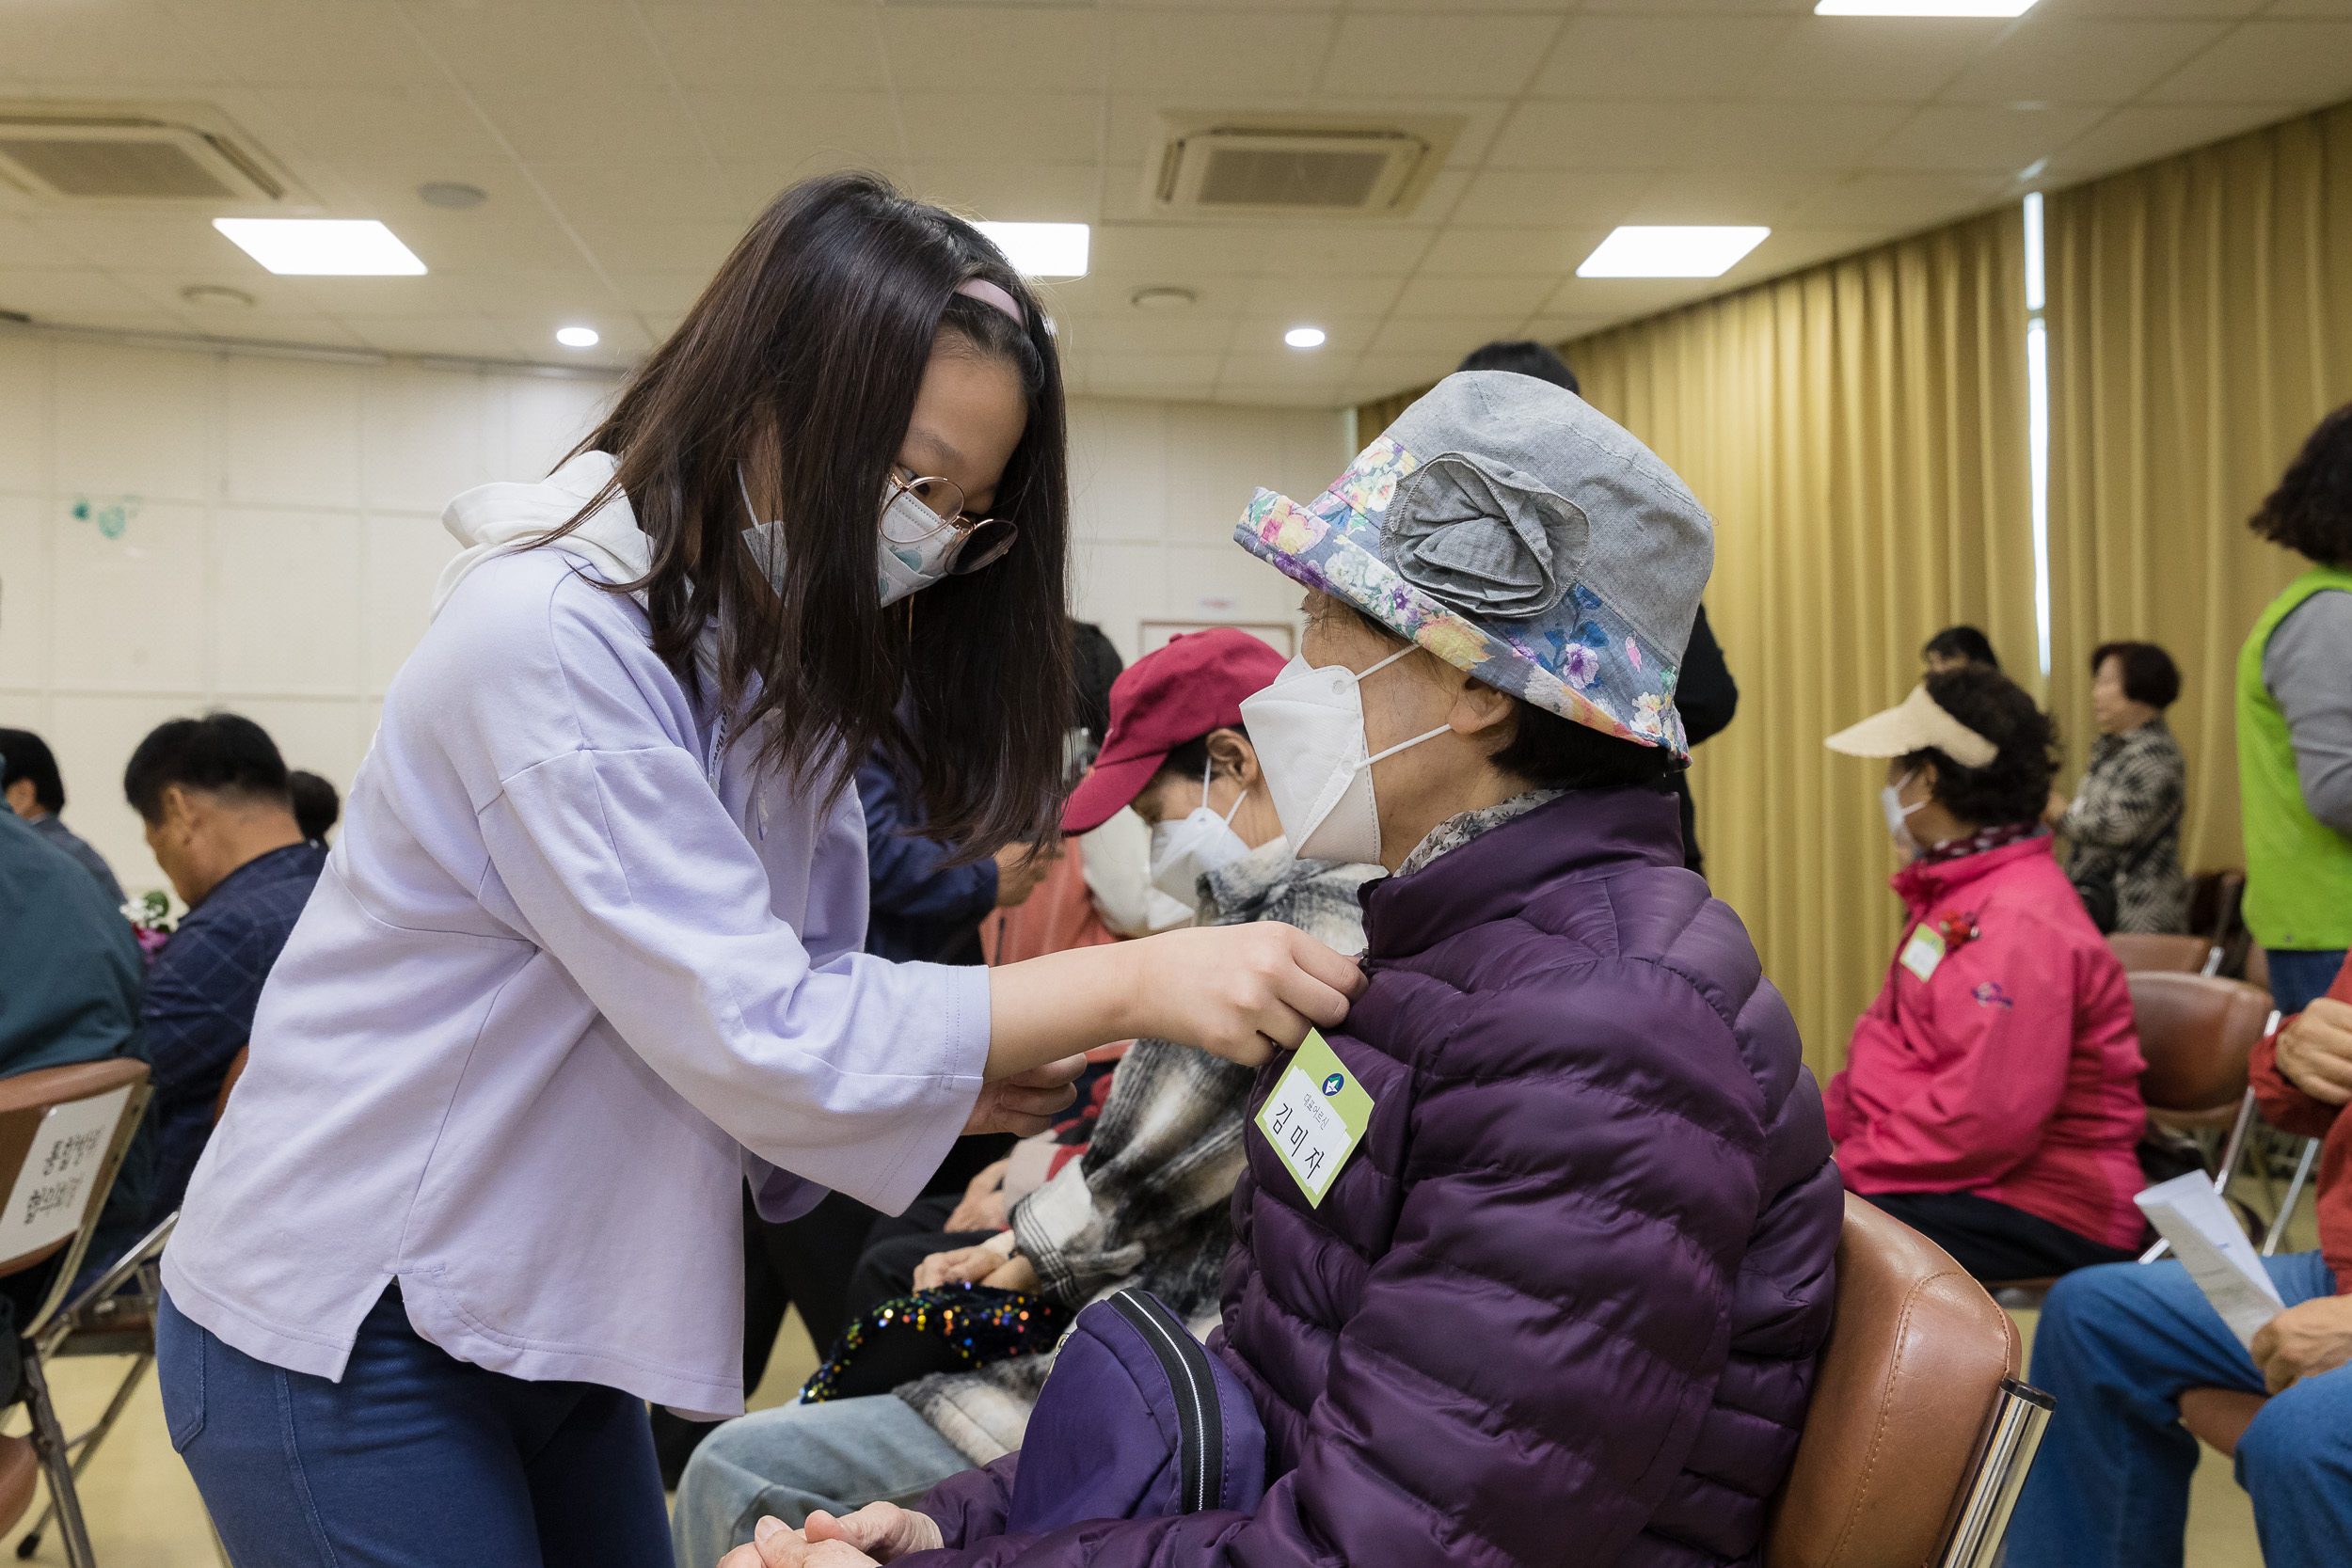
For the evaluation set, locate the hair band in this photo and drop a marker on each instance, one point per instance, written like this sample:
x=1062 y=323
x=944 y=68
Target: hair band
x=991 y=294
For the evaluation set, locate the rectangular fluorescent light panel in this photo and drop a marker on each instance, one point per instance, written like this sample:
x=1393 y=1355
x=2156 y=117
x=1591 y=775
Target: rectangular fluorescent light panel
x=322 y=247
x=1923 y=7
x=1042 y=249
x=1631 y=251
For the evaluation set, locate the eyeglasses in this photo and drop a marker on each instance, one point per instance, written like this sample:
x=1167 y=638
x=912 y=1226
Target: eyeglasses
x=980 y=541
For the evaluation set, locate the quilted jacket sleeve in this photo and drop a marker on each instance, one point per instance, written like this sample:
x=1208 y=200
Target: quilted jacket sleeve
x=1538 y=1347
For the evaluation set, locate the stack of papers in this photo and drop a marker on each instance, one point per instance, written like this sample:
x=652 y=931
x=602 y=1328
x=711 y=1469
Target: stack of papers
x=2205 y=1236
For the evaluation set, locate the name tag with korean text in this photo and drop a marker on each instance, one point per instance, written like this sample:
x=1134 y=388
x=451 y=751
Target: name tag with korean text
x=1924 y=951
x=1314 y=1117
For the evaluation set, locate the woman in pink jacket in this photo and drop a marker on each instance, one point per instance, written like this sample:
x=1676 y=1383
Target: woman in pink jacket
x=1991 y=1097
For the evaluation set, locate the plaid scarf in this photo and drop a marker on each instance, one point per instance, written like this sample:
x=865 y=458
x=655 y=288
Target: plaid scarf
x=1978 y=843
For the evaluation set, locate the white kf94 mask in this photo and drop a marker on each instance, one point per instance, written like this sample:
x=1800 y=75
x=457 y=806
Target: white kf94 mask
x=1194 y=845
x=1307 y=728
x=913 y=551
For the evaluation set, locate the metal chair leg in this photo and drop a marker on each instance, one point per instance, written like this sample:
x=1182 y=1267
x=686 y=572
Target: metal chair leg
x=85 y=1447
x=50 y=1444
x=2294 y=1191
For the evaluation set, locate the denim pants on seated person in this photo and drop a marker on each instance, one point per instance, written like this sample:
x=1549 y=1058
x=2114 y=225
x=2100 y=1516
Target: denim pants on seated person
x=2298 y=976
x=2116 y=1346
x=413 y=1459
x=838 y=1456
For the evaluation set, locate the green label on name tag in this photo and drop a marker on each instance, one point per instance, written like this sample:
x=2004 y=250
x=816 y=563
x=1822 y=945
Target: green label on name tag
x=1314 y=1116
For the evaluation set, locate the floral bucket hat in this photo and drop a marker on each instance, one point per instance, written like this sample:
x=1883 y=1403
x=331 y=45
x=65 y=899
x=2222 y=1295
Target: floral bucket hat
x=1517 y=533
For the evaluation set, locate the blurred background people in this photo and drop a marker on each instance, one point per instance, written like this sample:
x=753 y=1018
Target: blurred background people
x=212 y=792
x=315 y=804
x=1991 y=1097
x=1955 y=647
x=2295 y=728
x=2124 y=819
x=28 y=774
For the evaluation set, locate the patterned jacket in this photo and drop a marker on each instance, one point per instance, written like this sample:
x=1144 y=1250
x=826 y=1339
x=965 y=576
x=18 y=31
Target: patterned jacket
x=2125 y=827
x=1150 y=1203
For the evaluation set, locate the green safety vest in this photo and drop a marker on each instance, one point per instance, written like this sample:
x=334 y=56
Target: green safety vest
x=2298 y=870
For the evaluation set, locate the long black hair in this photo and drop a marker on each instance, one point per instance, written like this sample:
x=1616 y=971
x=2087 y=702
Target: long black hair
x=801 y=363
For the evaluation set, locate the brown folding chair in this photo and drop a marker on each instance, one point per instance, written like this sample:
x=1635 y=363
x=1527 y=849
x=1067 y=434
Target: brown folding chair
x=2196 y=1033
x=2142 y=951
x=1919 y=1434
x=63 y=1131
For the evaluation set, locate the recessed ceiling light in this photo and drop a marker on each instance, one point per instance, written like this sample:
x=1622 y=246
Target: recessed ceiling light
x=215 y=295
x=450 y=194
x=1042 y=249
x=1304 y=337
x=576 y=337
x=1923 y=7
x=1688 y=251
x=1162 y=299
x=322 y=247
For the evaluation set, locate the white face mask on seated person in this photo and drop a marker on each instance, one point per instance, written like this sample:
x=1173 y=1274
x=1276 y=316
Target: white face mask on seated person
x=1308 y=730
x=1899 y=814
x=1195 y=844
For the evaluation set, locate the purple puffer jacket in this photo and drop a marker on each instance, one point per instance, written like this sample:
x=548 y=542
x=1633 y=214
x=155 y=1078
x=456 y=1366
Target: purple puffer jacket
x=1562 y=1303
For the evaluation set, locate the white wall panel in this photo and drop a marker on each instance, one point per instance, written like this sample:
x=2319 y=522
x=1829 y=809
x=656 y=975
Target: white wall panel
x=132 y=421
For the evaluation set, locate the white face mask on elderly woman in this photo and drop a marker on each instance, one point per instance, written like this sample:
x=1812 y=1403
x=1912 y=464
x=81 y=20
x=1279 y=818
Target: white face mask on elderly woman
x=1308 y=730
x=1194 y=845
x=1898 y=814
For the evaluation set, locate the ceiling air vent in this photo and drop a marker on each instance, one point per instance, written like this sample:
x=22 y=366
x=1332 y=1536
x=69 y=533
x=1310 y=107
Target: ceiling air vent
x=83 y=155
x=1292 y=165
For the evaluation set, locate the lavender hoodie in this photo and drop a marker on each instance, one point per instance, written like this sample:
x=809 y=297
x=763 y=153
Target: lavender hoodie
x=572 y=973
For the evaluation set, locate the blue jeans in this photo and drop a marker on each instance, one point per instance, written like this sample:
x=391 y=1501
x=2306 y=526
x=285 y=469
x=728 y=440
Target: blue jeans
x=2109 y=1489
x=414 y=1459
x=2297 y=976
x=838 y=1456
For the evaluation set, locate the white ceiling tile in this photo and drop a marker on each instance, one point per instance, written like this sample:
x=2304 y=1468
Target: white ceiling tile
x=1169 y=53
x=360 y=123
x=1382 y=373
x=1138 y=332
x=49 y=294
x=1481 y=118
x=668 y=294
x=2140 y=133
x=835 y=49
x=623 y=245
x=2056 y=60
x=279 y=43
x=1502 y=199
x=110 y=45
x=1180 y=251
x=2223 y=11
x=942 y=48
x=1784 y=136
x=1985 y=138
x=1030 y=127
x=2292 y=64
x=1715 y=196
x=623 y=338
x=1705 y=8
x=1449 y=338
x=1409 y=56
x=1427 y=297
x=1261 y=337
x=1856 y=59
x=1341 y=248
x=1460 y=252
x=2306 y=7
x=1664 y=57
x=633 y=126
x=147 y=241
x=1558 y=135
x=998 y=190
x=485 y=240
x=688 y=192
x=591 y=49
x=1898 y=203
x=1313 y=298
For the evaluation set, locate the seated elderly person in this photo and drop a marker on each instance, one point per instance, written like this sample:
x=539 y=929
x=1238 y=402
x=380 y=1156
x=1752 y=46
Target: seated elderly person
x=1560 y=1291
x=2118 y=1346
x=1148 y=1204
x=1991 y=1097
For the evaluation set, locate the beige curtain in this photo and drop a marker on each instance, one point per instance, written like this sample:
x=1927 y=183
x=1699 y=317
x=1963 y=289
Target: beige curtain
x=1858 y=431
x=2201 y=322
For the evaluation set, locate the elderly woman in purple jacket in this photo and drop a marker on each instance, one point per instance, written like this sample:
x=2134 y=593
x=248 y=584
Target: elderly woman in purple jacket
x=1560 y=1297
x=586 y=957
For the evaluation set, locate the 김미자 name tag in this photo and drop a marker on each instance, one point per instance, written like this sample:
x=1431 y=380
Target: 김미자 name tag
x=1924 y=951
x=1314 y=1116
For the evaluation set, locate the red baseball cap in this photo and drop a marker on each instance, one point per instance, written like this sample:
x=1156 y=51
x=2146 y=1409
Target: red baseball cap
x=1166 y=698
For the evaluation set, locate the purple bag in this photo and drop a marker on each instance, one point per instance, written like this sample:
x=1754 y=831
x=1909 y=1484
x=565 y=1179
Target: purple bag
x=1138 y=1421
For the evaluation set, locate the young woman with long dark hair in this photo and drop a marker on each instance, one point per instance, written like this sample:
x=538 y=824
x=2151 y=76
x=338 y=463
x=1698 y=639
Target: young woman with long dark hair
x=585 y=955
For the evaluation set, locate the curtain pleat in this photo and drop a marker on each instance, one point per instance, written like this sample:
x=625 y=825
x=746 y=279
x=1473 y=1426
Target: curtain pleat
x=1857 y=430
x=2200 y=323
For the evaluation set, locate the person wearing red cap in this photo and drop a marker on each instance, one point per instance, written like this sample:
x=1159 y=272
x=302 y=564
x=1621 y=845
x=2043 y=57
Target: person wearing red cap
x=1150 y=1203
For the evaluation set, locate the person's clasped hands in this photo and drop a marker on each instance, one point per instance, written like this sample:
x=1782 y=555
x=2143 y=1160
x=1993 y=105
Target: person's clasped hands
x=879 y=1532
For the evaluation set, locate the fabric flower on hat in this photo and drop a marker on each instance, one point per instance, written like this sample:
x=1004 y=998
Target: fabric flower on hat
x=1484 y=537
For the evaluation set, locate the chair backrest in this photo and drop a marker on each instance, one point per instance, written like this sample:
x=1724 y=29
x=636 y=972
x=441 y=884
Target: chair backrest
x=2140 y=951
x=2214 y=902
x=2196 y=1032
x=1907 y=1385
x=63 y=1131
